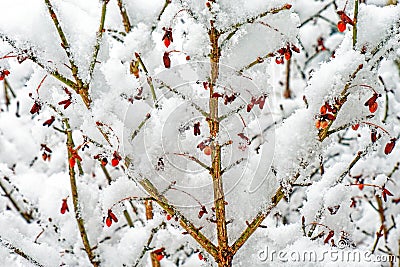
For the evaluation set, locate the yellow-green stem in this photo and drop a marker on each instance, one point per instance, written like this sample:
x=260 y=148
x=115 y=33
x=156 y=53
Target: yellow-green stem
x=355 y=23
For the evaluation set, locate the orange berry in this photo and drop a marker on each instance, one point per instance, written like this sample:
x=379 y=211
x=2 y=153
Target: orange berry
x=159 y=257
x=207 y=151
x=341 y=26
x=324 y=124
x=323 y=110
x=373 y=107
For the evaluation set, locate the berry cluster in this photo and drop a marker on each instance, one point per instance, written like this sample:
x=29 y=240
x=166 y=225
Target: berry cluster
x=286 y=52
x=327 y=114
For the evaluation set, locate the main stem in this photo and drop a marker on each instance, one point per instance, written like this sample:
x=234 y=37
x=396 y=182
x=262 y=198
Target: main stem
x=75 y=198
x=224 y=258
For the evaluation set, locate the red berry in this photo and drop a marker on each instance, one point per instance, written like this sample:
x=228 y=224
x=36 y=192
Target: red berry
x=288 y=55
x=36 y=107
x=167 y=42
x=64 y=206
x=355 y=126
x=389 y=146
x=373 y=136
x=108 y=221
x=341 y=26
x=112 y=216
x=114 y=162
x=279 y=60
x=361 y=186
x=373 y=107
x=167 y=38
x=169 y=217
x=3 y=74
x=159 y=257
x=201 y=257
x=72 y=162
x=49 y=122
x=166 y=60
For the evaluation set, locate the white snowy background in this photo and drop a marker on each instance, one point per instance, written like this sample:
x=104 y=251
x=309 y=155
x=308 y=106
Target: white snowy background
x=284 y=138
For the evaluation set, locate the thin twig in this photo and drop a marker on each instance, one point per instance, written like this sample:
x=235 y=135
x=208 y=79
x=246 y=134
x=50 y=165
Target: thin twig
x=256 y=222
x=173 y=90
x=106 y=173
x=18 y=251
x=125 y=17
x=142 y=123
x=258 y=60
x=65 y=44
x=26 y=215
x=223 y=117
x=148 y=243
x=232 y=165
x=202 y=164
x=99 y=36
x=35 y=60
x=149 y=80
x=316 y=14
x=250 y=20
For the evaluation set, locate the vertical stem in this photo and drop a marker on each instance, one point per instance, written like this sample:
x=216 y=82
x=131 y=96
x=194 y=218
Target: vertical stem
x=386 y=107
x=128 y=218
x=224 y=254
x=355 y=23
x=398 y=257
x=287 y=93
x=75 y=197
x=106 y=173
x=382 y=216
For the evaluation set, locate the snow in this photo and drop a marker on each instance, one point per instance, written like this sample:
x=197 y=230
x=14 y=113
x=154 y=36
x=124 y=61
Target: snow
x=321 y=179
